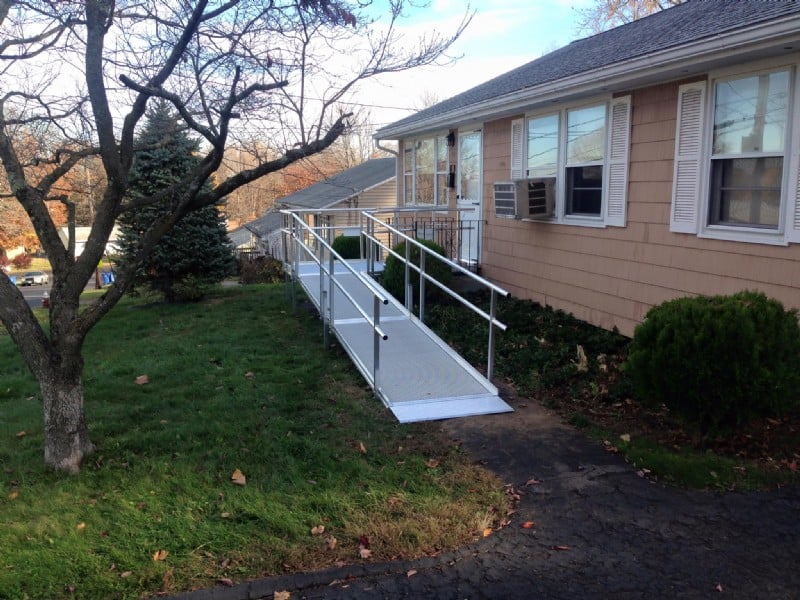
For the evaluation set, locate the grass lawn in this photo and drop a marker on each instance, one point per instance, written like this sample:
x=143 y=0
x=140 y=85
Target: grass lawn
x=235 y=382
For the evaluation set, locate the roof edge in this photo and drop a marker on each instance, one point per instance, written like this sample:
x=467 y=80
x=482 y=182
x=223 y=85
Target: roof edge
x=616 y=75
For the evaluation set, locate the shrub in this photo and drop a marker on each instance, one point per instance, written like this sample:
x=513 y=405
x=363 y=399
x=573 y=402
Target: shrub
x=22 y=261
x=189 y=289
x=394 y=271
x=719 y=361
x=348 y=246
x=261 y=269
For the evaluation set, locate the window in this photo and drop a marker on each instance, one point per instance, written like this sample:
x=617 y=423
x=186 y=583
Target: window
x=733 y=185
x=748 y=146
x=425 y=171
x=585 y=149
x=584 y=162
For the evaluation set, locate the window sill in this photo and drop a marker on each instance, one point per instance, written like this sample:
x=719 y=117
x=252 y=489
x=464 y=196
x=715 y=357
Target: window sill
x=748 y=236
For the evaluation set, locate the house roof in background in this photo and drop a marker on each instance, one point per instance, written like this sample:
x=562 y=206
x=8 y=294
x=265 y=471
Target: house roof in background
x=343 y=186
x=694 y=21
x=270 y=221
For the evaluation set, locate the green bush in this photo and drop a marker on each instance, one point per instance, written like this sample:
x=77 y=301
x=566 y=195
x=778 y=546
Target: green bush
x=262 y=269
x=190 y=288
x=394 y=271
x=718 y=362
x=348 y=246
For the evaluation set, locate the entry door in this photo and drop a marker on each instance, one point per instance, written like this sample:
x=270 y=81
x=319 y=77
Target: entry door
x=468 y=199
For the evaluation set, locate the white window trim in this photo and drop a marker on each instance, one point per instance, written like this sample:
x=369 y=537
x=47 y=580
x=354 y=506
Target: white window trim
x=788 y=230
x=411 y=144
x=615 y=161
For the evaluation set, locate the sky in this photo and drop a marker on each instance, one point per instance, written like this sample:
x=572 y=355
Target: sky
x=503 y=35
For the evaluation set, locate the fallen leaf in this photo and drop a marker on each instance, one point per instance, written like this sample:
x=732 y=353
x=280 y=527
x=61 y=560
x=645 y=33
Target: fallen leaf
x=487 y=532
x=21 y=434
x=332 y=543
x=281 y=596
x=528 y=525
x=142 y=379
x=160 y=555
x=625 y=437
x=363 y=541
x=125 y=574
x=432 y=463
x=225 y=515
x=364 y=553
x=411 y=573
x=81 y=526
x=238 y=478
x=719 y=588
x=250 y=375
x=224 y=563
x=13 y=495
x=533 y=481
x=362 y=448
x=793 y=466
x=225 y=581
x=318 y=530
x=561 y=548
x=583 y=362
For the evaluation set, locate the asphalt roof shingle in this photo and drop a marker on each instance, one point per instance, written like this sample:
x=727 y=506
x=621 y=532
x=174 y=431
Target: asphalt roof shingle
x=691 y=21
x=342 y=186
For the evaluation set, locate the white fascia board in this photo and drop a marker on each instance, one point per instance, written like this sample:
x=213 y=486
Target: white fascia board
x=671 y=63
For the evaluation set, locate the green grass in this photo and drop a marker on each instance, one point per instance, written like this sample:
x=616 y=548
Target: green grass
x=235 y=382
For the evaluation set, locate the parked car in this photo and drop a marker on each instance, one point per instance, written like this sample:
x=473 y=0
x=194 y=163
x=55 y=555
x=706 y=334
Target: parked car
x=34 y=278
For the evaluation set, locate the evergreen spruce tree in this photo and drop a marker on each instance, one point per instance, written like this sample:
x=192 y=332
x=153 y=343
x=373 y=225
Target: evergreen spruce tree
x=197 y=251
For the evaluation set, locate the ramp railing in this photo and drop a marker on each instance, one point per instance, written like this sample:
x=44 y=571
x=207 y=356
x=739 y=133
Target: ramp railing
x=375 y=232
x=300 y=239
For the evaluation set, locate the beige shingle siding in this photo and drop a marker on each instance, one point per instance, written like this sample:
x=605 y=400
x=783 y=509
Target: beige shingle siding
x=613 y=276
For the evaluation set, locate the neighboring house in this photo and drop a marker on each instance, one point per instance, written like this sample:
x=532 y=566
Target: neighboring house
x=368 y=185
x=82 y=235
x=655 y=160
x=258 y=237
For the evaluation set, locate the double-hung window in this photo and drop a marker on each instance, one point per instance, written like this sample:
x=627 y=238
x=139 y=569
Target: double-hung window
x=425 y=171
x=733 y=176
x=584 y=151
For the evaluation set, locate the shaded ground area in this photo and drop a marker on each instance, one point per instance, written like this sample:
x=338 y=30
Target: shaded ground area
x=599 y=530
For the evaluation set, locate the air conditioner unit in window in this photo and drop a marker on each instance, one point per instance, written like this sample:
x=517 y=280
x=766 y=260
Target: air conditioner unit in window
x=540 y=197
x=505 y=200
x=525 y=198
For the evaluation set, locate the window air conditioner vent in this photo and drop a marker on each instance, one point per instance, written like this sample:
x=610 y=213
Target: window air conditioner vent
x=525 y=198
x=540 y=195
x=505 y=200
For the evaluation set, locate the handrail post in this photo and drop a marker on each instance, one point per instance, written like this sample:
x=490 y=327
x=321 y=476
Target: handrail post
x=376 y=342
x=422 y=255
x=490 y=357
x=407 y=286
x=331 y=292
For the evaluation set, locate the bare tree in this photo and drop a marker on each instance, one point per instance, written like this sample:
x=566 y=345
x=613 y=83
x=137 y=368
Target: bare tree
x=607 y=14
x=86 y=70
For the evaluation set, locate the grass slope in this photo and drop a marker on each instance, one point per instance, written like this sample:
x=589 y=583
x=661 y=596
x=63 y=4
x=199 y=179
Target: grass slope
x=235 y=382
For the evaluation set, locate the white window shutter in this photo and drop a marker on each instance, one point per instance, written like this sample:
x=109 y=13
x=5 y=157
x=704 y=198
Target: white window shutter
x=688 y=158
x=617 y=153
x=517 y=149
x=793 y=196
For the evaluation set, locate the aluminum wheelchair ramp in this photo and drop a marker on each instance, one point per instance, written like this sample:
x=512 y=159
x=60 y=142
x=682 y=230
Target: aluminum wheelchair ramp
x=420 y=378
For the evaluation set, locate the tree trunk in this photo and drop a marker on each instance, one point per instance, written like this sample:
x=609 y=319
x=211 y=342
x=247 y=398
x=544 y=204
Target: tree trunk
x=66 y=437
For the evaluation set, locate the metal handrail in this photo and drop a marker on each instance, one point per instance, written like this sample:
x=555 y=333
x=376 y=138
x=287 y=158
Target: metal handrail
x=327 y=315
x=494 y=289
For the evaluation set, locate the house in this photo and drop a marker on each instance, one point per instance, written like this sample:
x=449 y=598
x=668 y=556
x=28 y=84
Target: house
x=82 y=236
x=258 y=237
x=655 y=160
x=325 y=204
